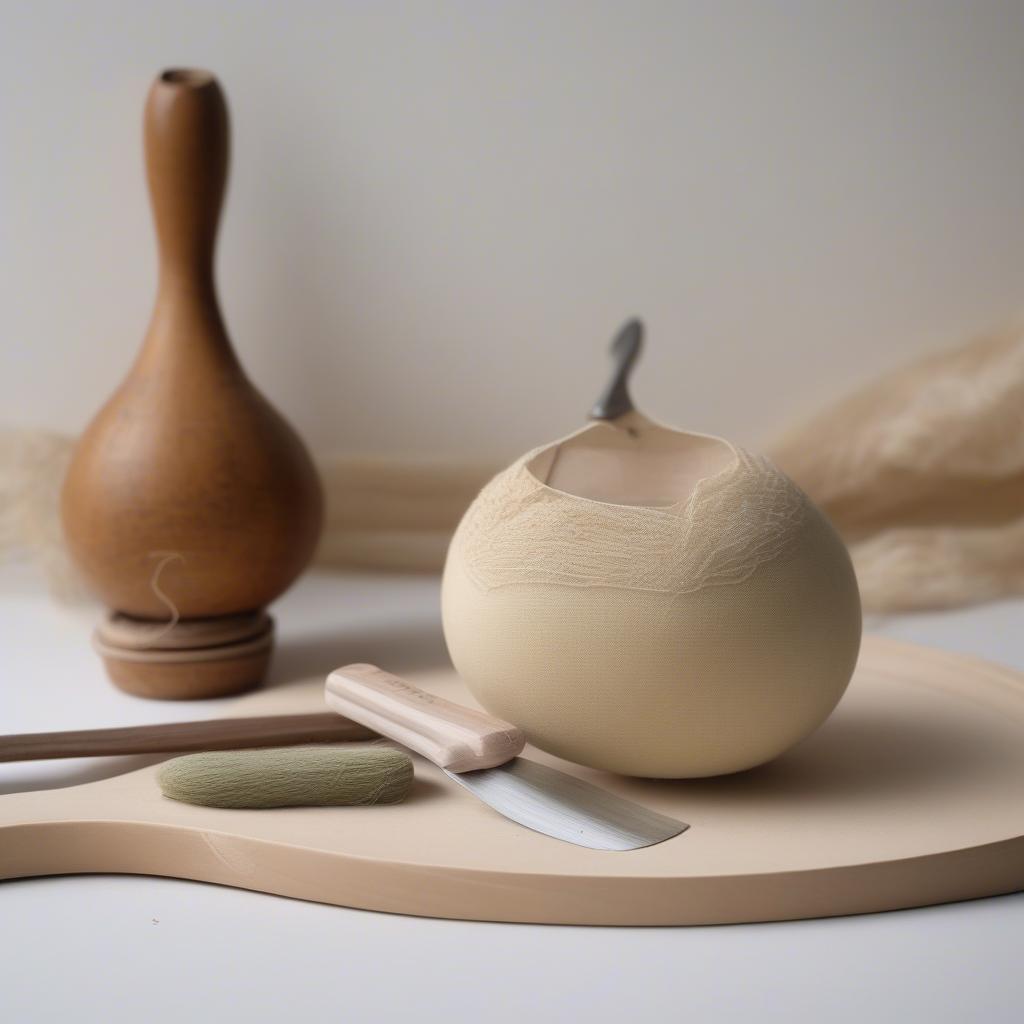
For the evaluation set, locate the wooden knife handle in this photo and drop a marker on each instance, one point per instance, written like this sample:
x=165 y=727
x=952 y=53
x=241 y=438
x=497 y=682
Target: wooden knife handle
x=219 y=734
x=452 y=736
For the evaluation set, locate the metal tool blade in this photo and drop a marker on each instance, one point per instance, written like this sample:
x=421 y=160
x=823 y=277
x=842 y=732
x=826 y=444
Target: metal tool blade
x=564 y=807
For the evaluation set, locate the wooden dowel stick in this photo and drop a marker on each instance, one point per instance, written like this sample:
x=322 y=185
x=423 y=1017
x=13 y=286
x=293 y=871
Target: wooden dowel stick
x=218 y=734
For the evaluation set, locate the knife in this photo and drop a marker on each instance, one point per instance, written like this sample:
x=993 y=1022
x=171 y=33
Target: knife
x=480 y=753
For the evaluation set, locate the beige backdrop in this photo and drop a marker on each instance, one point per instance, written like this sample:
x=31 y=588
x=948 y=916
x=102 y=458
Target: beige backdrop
x=440 y=211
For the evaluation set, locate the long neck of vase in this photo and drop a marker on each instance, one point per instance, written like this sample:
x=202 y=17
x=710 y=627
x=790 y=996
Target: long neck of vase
x=187 y=148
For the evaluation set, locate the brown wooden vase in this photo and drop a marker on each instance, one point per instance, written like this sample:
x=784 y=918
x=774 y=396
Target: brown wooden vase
x=188 y=494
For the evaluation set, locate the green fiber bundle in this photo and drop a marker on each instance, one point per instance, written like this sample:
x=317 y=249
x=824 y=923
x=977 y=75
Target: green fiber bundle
x=320 y=776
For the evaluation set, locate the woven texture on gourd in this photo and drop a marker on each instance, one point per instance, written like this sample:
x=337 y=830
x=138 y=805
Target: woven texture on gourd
x=522 y=531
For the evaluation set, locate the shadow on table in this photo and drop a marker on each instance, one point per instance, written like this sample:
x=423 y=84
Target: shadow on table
x=859 y=757
x=405 y=650
x=75 y=772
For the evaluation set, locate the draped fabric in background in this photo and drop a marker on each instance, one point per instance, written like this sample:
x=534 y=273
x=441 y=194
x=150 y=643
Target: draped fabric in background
x=922 y=472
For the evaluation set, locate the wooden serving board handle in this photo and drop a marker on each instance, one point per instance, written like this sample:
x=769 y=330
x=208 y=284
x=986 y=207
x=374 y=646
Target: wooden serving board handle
x=222 y=734
x=909 y=795
x=454 y=737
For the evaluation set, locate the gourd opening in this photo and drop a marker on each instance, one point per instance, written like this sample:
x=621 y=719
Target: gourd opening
x=644 y=465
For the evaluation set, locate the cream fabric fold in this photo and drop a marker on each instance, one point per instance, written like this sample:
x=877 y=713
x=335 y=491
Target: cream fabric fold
x=922 y=472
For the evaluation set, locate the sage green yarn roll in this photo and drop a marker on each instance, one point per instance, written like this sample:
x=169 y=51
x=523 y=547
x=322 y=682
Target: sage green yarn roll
x=314 y=776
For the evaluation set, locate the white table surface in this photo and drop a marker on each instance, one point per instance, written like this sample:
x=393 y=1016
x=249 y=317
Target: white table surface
x=119 y=948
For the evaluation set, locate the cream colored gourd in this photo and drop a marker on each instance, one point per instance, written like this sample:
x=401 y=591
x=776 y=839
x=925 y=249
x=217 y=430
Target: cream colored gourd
x=649 y=601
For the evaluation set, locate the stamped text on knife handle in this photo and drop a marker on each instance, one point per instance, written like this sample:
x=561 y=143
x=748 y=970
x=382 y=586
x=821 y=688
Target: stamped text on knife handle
x=455 y=737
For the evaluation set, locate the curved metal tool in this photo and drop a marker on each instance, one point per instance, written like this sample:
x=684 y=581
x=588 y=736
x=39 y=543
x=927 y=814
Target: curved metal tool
x=615 y=400
x=479 y=752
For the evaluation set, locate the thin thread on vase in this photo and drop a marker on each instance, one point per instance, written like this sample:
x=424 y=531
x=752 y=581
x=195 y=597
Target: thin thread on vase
x=166 y=557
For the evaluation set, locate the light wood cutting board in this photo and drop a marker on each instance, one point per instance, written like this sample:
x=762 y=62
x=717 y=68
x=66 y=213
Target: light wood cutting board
x=911 y=794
